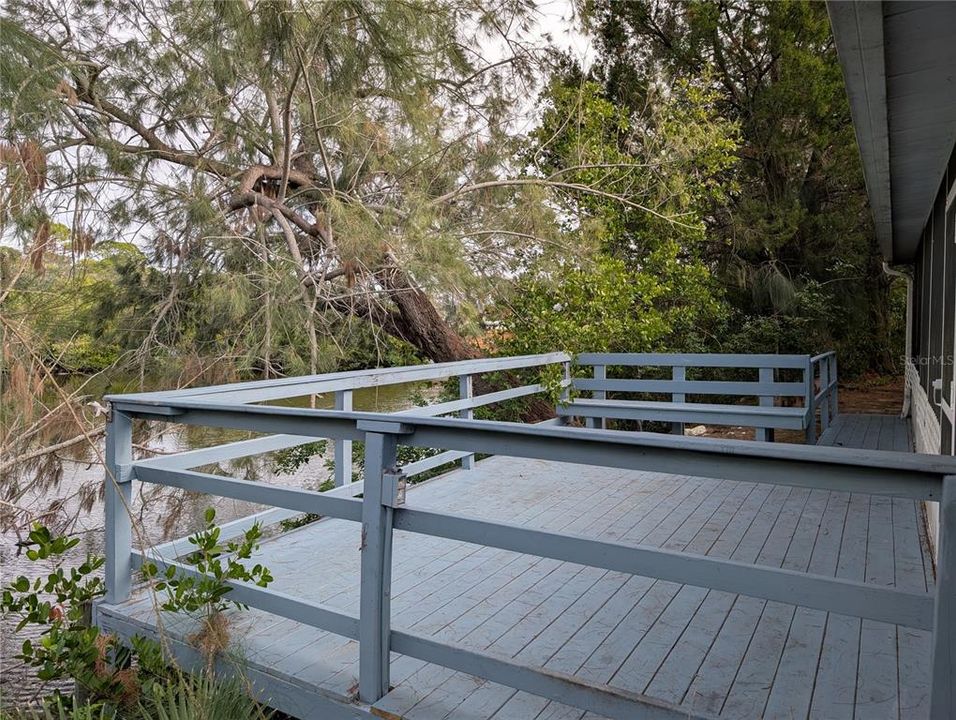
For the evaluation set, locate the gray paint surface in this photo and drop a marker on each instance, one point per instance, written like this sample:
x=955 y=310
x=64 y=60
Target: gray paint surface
x=710 y=651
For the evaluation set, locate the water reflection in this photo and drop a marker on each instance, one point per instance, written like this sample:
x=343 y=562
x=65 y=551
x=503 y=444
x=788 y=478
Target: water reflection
x=159 y=518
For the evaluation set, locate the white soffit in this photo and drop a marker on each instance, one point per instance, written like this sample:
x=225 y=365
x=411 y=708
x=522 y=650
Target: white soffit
x=899 y=63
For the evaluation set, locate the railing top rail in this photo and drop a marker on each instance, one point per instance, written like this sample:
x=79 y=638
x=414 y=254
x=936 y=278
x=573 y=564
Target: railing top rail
x=884 y=472
x=725 y=360
x=263 y=390
x=821 y=356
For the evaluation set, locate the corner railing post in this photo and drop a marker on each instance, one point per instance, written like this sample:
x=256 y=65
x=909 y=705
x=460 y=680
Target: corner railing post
x=810 y=403
x=678 y=374
x=943 y=694
x=466 y=391
x=343 y=448
x=118 y=501
x=600 y=374
x=834 y=404
x=825 y=389
x=765 y=434
x=378 y=501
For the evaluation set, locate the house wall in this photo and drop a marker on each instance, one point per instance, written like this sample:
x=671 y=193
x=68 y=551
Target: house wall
x=930 y=367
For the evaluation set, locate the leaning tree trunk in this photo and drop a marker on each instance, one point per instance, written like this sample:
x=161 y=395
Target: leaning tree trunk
x=417 y=321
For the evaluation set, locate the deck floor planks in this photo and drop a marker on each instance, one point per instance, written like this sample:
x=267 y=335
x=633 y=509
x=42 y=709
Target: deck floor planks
x=709 y=650
x=717 y=670
x=701 y=492
x=755 y=676
x=610 y=622
x=398 y=700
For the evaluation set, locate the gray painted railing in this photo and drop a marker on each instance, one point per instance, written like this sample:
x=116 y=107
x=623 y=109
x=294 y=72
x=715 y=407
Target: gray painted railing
x=817 y=386
x=381 y=511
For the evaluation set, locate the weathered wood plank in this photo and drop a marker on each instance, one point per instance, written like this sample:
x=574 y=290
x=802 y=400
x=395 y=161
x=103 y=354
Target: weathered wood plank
x=680 y=644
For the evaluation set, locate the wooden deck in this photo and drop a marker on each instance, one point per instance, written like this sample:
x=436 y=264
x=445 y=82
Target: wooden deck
x=713 y=652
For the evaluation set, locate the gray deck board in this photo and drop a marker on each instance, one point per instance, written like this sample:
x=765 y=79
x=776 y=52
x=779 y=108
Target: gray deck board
x=710 y=651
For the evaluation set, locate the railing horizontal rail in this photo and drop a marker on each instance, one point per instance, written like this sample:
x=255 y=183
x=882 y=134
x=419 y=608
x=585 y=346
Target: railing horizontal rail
x=307 y=501
x=227 y=531
x=271 y=601
x=430 y=463
x=847 y=597
x=264 y=390
x=189 y=459
x=751 y=415
x=871 y=471
x=711 y=360
x=599 y=699
x=693 y=387
x=473 y=402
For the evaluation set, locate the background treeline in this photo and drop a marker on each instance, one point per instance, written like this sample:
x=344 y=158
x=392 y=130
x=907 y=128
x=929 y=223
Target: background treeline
x=197 y=192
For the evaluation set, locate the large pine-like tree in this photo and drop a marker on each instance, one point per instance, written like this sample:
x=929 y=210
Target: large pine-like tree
x=363 y=148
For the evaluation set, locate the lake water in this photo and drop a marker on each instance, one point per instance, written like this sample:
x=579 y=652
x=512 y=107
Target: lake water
x=17 y=684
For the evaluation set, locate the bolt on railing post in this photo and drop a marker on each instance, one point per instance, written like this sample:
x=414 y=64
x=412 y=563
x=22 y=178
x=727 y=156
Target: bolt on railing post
x=376 y=580
x=600 y=374
x=342 y=453
x=943 y=693
x=118 y=501
x=466 y=390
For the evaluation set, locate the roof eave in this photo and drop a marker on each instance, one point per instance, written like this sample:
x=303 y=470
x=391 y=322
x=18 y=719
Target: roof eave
x=858 y=32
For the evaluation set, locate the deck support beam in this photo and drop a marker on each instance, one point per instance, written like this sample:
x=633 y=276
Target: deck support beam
x=376 y=589
x=943 y=698
x=118 y=501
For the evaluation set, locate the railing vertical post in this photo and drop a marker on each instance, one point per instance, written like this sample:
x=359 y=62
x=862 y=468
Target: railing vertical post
x=764 y=434
x=566 y=391
x=118 y=499
x=678 y=373
x=811 y=403
x=376 y=587
x=342 y=456
x=825 y=389
x=600 y=373
x=943 y=694
x=466 y=391
x=834 y=403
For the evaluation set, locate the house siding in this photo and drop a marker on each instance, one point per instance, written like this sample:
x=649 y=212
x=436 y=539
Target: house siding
x=933 y=328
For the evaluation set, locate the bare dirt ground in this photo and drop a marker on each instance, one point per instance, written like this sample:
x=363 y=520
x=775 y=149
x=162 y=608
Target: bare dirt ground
x=877 y=394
